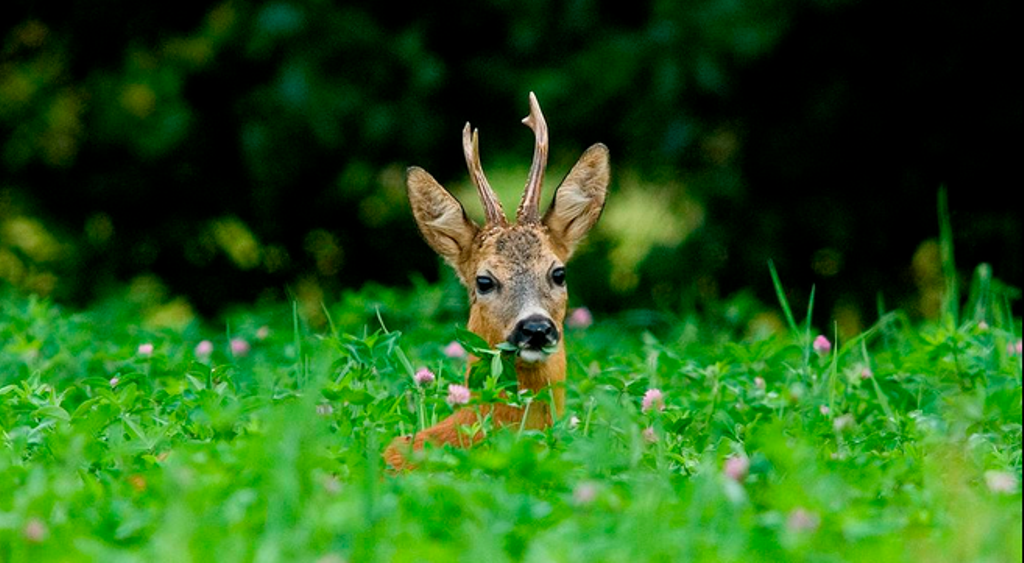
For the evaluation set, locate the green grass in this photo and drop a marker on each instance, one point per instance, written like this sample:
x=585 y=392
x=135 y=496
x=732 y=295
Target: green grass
x=901 y=445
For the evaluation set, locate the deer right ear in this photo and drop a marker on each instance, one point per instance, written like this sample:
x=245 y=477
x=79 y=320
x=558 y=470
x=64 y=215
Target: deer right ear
x=580 y=199
x=440 y=216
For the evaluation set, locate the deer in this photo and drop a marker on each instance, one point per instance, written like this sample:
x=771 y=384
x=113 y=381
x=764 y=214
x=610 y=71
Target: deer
x=515 y=275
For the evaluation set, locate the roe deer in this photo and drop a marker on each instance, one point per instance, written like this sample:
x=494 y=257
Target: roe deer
x=515 y=273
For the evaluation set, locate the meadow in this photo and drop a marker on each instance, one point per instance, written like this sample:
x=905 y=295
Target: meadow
x=710 y=437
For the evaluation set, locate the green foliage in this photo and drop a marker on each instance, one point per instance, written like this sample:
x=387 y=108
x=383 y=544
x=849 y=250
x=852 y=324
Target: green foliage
x=227 y=147
x=122 y=444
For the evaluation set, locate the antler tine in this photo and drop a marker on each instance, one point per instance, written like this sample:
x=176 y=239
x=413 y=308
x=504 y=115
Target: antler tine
x=529 y=209
x=493 y=210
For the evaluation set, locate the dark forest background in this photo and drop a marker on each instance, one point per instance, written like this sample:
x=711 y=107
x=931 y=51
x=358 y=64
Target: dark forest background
x=228 y=152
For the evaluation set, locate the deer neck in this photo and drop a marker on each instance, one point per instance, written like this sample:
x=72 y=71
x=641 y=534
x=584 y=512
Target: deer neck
x=537 y=377
x=532 y=376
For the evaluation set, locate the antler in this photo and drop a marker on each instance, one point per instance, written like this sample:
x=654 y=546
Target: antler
x=529 y=209
x=493 y=210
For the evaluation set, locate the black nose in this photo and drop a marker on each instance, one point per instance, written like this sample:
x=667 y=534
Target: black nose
x=535 y=333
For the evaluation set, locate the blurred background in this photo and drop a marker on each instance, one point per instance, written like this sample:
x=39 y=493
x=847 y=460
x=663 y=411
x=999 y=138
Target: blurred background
x=209 y=154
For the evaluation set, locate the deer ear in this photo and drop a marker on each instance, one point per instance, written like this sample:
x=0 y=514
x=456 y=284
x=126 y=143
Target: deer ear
x=579 y=200
x=440 y=216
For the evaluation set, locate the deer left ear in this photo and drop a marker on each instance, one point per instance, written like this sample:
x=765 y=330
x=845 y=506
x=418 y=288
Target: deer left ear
x=579 y=200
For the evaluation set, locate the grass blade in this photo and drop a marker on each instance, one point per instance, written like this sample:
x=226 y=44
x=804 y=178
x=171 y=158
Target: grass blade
x=300 y=367
x=948 y=260
x=330 y=321
x=810 y=314
x=783 y=301
x=833 y=376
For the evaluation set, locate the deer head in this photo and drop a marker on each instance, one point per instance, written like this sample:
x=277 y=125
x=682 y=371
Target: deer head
x=515 y=273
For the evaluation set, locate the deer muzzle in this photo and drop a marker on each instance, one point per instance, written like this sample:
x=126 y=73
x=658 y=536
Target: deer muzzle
x=534 y=337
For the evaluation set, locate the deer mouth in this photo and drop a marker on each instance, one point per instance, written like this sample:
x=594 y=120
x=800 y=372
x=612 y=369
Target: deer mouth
x=536 y=356
x=535 y=338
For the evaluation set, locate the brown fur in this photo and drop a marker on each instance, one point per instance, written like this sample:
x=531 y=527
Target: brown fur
x=520 y=258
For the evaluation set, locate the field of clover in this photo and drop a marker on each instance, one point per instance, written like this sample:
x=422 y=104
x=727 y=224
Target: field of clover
x=688 y=438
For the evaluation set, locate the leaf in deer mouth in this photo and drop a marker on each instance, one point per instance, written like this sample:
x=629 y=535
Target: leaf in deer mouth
x=508 y=348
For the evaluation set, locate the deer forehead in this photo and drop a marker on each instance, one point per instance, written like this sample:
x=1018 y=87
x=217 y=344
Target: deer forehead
x=516 y=251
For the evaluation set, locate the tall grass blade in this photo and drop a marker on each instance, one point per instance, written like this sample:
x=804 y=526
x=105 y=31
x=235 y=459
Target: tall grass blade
x=399 y=352
x=979 y=299
x=300 y=364
x=810 y=315
x=952 y=304
x=330 y=320
x=833 y=376
x=883 y=401
x=780 y=292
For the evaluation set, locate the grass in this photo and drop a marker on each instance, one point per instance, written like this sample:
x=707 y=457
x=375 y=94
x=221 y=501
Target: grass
x=903 y=444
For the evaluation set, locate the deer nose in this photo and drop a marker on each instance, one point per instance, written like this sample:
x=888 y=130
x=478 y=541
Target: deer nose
x=534 y=332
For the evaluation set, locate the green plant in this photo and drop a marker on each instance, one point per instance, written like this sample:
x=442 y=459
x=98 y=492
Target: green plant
x=120 y=444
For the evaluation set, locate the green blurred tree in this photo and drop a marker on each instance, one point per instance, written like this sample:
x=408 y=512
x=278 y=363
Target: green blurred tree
x=233 y=146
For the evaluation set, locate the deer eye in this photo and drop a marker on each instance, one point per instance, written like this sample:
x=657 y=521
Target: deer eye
x=558 y=276
x=485 y=284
